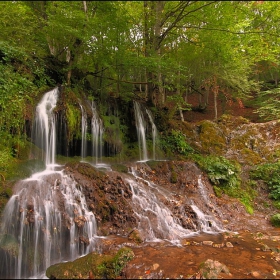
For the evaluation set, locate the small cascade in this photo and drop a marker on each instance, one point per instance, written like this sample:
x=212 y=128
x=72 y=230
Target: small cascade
x=141 y=131
x=158 y=222
x=44 y=133
x=97 y=133
x=84 y=133
x=154 y=133
x=47 y=219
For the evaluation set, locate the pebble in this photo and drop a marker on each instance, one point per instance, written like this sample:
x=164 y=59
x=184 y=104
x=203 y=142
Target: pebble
x=255 y=274
x=209 y=243
x=218 y=245
x=229 y=244
x=155 y=266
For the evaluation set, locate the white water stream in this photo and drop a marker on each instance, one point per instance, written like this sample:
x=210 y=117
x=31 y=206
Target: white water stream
x=154 y=133
x=47 y=219
x=141 y=127
x=156 y=221
x=97 y=134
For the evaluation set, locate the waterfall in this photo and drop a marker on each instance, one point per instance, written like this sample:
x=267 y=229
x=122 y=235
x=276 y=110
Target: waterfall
x=154 y=133
x=156 y=221
x=141 y=128
x=97 y=133
x=141 y=131
x=47 y=220
x=84 y=133
x=44 y=133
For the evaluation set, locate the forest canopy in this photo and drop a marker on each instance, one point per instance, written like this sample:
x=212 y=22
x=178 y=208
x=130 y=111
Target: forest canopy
x=155 y=51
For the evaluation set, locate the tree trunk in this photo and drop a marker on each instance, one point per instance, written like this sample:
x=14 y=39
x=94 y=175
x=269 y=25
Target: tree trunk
x=159 y=5
x=181 y=115
x=152 y=33
x=215 y=105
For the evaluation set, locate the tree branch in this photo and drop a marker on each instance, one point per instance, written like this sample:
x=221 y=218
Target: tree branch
x=181 y=7
x=233 y=32
x=121 y=81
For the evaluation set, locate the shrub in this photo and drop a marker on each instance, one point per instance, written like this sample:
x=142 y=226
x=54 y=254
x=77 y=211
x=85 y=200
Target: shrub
x=275 y=220
x=220 y=171
x=270 y=174
x=176 y=142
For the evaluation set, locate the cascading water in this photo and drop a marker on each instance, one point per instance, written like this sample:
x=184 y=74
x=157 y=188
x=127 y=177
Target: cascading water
x=141 y=127
x=46 y=220
x=154 y=133
x=97 y=133
x=157 y=222
x=141 y=131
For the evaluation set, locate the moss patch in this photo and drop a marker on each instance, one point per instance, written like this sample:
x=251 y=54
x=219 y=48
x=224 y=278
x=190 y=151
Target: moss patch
x=211 y=138
x=93 y=265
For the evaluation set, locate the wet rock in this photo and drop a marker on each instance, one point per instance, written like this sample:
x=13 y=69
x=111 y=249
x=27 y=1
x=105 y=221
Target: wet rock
x=84 y=240
x=80 y=221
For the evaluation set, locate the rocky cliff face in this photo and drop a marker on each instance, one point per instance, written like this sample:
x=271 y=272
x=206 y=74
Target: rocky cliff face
x=234 y=138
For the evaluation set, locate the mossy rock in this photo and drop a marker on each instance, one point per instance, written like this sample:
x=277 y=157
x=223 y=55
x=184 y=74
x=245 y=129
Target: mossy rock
x=5 y=193
x=9 y=244
x=93 y=265
x=119 y=167
x=211 y=138
x=86 y=169
x=25 y=168
x=232 y=121
x=153 y=164
x=251 y=157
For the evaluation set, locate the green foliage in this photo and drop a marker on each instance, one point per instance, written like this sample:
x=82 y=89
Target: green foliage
x=270 y=174
x=268 y=104
x=225 y=175
x=221 y=171
x=275 y=220
x=176 y=142
x=73 y=119
x=180 y=103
